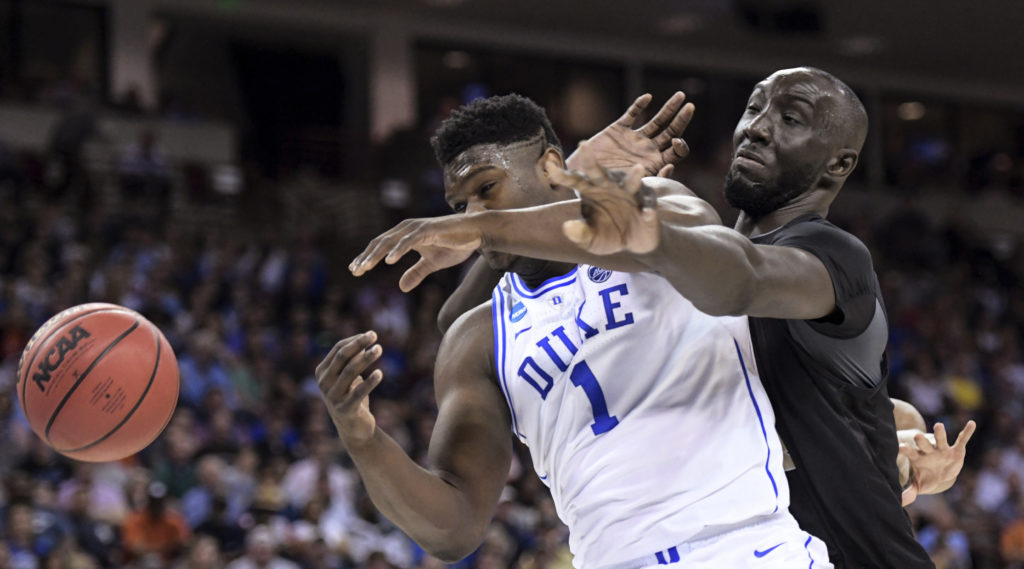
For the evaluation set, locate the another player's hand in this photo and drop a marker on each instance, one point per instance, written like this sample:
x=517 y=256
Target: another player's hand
x=618 y=211
x=442 y=242
x=344 y=388
x=656 y=146
x=935 y=465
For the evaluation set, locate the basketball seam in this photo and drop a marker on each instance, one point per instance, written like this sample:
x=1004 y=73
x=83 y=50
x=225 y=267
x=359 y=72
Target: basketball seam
x=156 y=367
x=24 y=380
x=82 y=377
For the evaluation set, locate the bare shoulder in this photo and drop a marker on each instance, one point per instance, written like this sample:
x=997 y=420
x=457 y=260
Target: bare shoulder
x=467 y=349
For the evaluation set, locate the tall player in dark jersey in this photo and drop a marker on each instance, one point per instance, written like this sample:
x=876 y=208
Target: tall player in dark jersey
x=817 y=319
x=816 y=313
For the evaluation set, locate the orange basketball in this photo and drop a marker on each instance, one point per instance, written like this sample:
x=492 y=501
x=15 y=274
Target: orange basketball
x=98 y=382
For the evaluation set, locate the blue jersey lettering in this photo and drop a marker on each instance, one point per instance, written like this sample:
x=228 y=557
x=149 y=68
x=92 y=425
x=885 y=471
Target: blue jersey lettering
x=609 y=306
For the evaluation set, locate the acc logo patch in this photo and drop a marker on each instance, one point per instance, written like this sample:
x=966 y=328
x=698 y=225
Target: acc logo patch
x=518 y=312
x=598 y=275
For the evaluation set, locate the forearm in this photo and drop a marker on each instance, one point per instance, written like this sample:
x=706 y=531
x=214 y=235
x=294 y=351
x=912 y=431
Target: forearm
x=714 y=267
x=430 y=510
x=536 y=232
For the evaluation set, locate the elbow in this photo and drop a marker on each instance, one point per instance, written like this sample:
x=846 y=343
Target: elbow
x=454 y=546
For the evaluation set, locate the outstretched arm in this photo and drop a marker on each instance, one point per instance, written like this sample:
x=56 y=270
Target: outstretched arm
x=446 y=507
x=533 y=232
x=718 y=269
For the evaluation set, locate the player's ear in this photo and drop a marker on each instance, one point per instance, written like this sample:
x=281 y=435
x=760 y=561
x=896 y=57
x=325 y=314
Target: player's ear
x=840 y=166
x=552 y=155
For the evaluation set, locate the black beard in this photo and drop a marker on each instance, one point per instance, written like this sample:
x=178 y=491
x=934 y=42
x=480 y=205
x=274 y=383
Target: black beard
x=757 y=199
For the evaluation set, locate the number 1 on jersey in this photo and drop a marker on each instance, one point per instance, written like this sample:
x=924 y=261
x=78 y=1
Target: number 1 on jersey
x=581 y=376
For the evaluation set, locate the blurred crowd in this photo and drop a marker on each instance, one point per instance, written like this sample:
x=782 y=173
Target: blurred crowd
x=249 y=473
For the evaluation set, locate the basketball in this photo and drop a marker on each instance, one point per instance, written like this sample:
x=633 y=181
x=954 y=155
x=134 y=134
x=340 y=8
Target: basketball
x=98 y=382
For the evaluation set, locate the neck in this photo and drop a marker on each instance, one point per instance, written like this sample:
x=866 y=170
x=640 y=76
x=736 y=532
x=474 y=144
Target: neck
x=548 y=270
x=817 y=201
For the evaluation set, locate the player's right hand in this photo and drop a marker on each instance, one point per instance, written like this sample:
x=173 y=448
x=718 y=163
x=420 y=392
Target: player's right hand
x=344 y=388
x=442 y=242
x=617 y=212
x=656 y=146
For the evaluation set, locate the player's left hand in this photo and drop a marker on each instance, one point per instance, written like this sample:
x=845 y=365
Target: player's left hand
x=618 y=211
x=935 y=465
x=442 y=242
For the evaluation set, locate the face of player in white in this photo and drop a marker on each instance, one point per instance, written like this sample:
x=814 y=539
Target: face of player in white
x=497 y=177
x=783 y=142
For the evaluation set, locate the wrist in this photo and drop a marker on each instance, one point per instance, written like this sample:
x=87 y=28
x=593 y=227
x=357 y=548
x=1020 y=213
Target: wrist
x=355 y=437
x=488 y=226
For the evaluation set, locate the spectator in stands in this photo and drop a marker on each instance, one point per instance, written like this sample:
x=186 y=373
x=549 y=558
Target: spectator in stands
x=156 y=530
x=261 y=552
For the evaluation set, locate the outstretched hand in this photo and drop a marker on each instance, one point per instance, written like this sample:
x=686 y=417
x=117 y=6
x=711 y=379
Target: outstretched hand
x=935 y=465
x=656 y=146
x=442 y=242
x=618 y=211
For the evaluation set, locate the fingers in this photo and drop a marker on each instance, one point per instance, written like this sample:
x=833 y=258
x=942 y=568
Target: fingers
x=675 y=129
x=965 y=435
x=666 y=171
x=941 y=443
x=565 y=178
x=372 y=255
x=347 y=397
x=909 y=451
x=628 y=119
x=383 y=246
x=665 y=116
x=909 y=495
x=346 y=361
x=676 y=151
x=923 y=444
x=415 y=275
x=403 y=246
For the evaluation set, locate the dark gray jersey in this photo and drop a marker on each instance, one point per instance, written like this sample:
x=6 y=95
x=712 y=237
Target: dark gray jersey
x=826 y=380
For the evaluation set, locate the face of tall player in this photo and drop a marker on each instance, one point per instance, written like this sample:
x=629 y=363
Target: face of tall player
x=783 y=144
x=508 y=176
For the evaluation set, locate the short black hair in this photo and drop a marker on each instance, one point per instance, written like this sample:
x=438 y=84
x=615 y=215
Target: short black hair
x=501 y=119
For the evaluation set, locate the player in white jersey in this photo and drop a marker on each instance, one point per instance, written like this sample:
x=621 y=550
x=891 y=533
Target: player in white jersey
x=644 y=416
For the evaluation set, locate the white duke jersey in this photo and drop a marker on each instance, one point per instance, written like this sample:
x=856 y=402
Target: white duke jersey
x=644 y=416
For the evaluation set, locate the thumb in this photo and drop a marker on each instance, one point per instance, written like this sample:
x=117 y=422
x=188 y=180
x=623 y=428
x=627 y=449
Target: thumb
x=577 y=231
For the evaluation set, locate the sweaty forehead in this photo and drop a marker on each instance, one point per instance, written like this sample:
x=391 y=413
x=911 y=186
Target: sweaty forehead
x=797 y=82
x=491 y=156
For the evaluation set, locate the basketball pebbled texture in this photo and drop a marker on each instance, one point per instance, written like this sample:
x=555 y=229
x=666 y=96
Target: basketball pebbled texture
x=98 y=382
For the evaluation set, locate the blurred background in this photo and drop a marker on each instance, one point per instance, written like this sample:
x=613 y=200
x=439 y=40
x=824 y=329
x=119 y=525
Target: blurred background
x=215 y=164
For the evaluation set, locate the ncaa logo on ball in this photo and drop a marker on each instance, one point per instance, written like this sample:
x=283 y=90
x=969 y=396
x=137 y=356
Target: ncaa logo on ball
x=53 y=358
x=598 y=275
